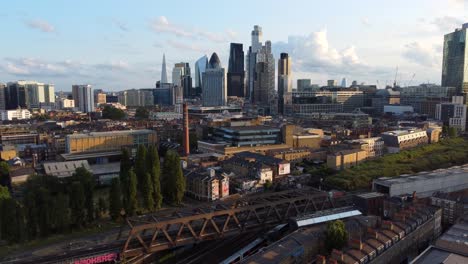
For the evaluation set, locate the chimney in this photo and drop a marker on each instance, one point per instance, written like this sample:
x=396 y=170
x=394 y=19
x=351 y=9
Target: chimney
x=186 y=130
x=387 y=225
x=321 y=260
x=356 y=243
x=337 y=255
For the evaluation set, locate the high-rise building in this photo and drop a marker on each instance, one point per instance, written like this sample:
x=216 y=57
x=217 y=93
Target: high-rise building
x=84 y=97
x=29 y=94
x=251 y=59
x=181 y=77
x=200 y=67
x=344 y=82
x=452 y=114
x=284 y=80
x=303 y=84
x=236 y=74
x=214 y=87
x=264 y=80
x=163 y=70
x=2 y=96
x=455 y=60
x=163 y=95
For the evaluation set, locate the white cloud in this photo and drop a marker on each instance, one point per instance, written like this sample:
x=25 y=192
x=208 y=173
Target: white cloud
x=41 y=25
x=162 y=25
x=186 y=47
x=422 y=55
x=447 y=23
x=365 y=21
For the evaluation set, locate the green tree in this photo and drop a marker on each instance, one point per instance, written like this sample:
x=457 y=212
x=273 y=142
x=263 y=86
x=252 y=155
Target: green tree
x=267 y=185
x=4 y=195
x=60 y=213
x=44 y=200
x=147 y=193
x=115 y=201
x=336 y=235
x=452 y=132
x=4 y=174
x=151 y=157
x=140 y=167
x=125 y=167
x=155 y=179
x=102 y=206
x=86 y=178
x=173 y=178
x=110 y=112
x=141 y=113
x=13 y=227
x=77 y=204
x=132 y=205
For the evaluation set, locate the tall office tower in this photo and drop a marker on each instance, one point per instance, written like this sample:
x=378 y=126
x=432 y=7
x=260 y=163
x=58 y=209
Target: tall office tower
x=344 y=82
x=264 y=79
x=332 y=83
x=284 y=80
x=2 y=96
x=214 y=87
x=163 y=70
x=251 y=59
x=455 y=60
x=236 y=74
x=200 y=67
x=49 y=92
x=303 y=84
x=181 y=78
x=29 y=94
x=84 y=97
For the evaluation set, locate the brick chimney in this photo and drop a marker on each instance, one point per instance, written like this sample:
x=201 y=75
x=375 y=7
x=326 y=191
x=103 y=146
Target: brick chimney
x=321 y=259
x=356 y=243
x=186 y=140
x=387 y=225
x=337 y=255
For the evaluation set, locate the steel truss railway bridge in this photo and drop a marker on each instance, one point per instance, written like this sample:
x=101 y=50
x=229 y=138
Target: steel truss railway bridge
x=151 y=234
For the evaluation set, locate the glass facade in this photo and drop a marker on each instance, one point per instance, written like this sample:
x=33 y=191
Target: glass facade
x=248 y=136
x=455 y=60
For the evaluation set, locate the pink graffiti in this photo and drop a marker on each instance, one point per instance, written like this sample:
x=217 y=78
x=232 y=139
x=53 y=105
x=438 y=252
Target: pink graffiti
x=98 y=259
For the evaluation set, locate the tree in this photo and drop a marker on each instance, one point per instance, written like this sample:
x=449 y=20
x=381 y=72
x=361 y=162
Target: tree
x=113 y=113
x=125 y=167
x=141 y=113
x=147 y=192
x=5 y=179
x=77 y=204
x=155 y=166
x=155 y=179
x=86 y=178
x=102 y=206
x=267 y=185
x=13 y=221
x=336 y=235
x=115 y=201
x=140 y=167
x=4 y=195
x=132 y=194
x=60 y=213
x=452 y=132
x=173 y=178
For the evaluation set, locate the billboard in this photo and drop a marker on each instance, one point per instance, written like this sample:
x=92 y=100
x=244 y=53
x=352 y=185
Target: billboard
x=284 y=169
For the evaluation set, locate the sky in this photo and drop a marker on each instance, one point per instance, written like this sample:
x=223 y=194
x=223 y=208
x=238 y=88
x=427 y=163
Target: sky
x=116 y=45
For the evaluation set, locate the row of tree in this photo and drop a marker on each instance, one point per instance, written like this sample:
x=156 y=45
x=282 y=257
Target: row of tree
x=139 y=184
x=49 y=206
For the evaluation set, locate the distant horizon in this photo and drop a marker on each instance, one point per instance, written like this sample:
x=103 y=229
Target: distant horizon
x=112 y=49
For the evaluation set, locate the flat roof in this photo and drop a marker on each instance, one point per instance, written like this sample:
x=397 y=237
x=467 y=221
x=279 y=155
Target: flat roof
x=370 y=195
x=403 y=132
x=110 y=133
x=437 y=255
x=248 y=128
x=423 y=175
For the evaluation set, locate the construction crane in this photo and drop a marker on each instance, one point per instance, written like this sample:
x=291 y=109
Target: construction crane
x=409 y=83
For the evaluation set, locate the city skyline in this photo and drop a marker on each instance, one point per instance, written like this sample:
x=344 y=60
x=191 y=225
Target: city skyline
x=67 y=43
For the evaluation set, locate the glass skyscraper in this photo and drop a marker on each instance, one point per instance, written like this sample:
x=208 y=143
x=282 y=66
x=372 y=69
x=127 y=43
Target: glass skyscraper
x=455 y=62
x=284 y=80
x=236 y=74
x=200 y=67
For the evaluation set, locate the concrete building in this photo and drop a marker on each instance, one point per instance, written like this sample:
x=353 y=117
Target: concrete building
x=29 y=94
x=66 y=103
x=455 y=62
x=207 y=185
x=18 y=114
x=101 y=98
x=453 y=205
x=425 y=184
x=214 y=83
x=247 y=136
x=344 y=159
x=398 y=109
x=109 y=141
x=303 y=103
x=417 y=96
x=236 y=73
x=164 y=94
x=181 y=77
x=374 y=146
x=398 y=140
x=84 y=97
x=3 y=93
x=64 y=169
x=284 y=80
x=452 y=114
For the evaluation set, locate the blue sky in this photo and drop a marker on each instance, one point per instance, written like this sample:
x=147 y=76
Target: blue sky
x=116 y=45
